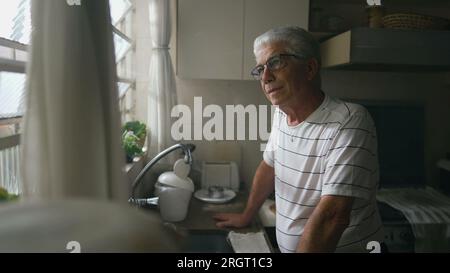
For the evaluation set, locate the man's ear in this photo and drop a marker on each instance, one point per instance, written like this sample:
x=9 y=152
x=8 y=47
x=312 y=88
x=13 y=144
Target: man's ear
x=312 y=68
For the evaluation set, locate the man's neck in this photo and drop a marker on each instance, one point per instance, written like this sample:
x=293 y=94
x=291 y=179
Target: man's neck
x=303 y=106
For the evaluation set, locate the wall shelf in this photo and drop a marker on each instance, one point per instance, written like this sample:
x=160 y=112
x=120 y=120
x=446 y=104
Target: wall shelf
x=387 y=50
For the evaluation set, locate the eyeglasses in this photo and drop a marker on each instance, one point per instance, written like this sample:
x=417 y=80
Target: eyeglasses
x=274 y=63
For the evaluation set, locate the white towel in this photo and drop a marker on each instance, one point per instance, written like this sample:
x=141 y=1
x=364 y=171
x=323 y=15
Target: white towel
x=253 y=242
x=427 y=211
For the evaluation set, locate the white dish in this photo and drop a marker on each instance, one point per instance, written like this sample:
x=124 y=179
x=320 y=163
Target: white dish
x=203 y=195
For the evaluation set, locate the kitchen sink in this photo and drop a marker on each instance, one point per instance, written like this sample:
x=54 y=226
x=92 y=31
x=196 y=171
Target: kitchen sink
x=206 y=241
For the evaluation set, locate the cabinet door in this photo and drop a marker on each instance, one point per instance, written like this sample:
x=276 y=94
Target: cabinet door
x=262 y=15
x=210 y=38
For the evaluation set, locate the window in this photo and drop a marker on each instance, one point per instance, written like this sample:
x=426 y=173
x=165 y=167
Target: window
x=122 y=12
x=15 y=30
x=11 y=95
x=15 y=20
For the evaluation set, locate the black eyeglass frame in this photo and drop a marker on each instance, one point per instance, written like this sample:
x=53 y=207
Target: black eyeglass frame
x=258 y=70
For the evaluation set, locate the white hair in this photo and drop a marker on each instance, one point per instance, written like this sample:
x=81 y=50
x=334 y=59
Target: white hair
x=297 y=41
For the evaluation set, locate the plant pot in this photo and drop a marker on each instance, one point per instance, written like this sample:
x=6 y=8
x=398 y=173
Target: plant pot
x=129 y=159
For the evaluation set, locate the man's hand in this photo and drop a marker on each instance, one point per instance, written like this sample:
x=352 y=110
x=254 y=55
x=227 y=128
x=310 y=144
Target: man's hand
x=263 y=185
x=237 y=220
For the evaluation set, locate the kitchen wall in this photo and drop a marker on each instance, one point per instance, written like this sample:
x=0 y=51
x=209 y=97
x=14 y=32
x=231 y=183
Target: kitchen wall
x=433 y=89
x=221 y=92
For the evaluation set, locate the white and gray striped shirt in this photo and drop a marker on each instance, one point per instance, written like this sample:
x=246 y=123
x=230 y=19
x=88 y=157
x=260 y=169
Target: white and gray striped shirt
x=332 y=152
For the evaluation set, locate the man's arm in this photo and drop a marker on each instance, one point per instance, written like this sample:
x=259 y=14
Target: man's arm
x=263 y=185
x=326 y=224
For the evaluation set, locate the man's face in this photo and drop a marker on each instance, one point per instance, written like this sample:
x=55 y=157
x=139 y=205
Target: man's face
x=282 y=85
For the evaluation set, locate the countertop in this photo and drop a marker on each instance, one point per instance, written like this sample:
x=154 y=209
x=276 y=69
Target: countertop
x=200 y=216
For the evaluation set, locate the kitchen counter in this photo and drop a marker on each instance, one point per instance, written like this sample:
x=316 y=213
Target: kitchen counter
x=200 y=214
x=200 y=217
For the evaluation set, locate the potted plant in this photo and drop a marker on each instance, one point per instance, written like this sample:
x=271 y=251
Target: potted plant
x=5 y=196
x=133 y=139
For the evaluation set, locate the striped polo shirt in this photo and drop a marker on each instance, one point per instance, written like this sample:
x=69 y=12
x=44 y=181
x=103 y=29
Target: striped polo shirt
x=332 y=152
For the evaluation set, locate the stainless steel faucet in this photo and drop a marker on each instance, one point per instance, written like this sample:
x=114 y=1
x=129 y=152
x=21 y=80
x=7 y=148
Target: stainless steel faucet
x=187 y=150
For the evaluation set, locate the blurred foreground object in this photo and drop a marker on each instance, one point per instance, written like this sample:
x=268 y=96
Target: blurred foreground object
x=71 y=134
x=81 y=225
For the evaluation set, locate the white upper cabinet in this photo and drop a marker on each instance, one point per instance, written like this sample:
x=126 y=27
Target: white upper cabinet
x=210 y=39
x=215 y=37
x=262 y=15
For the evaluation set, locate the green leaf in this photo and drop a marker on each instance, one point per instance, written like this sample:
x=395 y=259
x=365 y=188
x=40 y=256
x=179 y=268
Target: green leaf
x=131 y=145
x=137 y=127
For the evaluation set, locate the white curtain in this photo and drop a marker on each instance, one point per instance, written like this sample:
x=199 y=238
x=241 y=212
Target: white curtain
x=71 y=140
x=162 y=91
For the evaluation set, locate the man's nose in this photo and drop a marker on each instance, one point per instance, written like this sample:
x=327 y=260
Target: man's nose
x=267 y=75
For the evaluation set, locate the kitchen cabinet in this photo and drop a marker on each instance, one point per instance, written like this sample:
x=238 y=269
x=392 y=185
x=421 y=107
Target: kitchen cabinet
x=330 y=16
x=209 y=41
x=215 y=37
x=383 y=49
x=358 y=47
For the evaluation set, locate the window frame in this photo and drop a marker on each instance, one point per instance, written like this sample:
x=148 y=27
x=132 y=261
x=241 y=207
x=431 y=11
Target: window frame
x=127 y=100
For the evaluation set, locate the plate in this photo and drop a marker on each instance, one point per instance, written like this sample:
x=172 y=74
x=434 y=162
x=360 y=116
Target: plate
x=203 y=195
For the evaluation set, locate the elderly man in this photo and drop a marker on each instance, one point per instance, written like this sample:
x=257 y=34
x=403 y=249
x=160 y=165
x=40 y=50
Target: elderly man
x=321 y=157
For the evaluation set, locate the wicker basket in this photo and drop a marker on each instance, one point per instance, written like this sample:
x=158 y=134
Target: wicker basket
x=414 y=21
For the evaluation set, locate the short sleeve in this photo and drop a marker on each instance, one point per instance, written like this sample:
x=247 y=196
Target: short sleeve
x=271 y=146
x=351 y=164
x=268 y=154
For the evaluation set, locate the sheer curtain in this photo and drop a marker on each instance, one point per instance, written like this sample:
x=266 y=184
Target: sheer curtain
x=71 y=140
x=162 y=91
